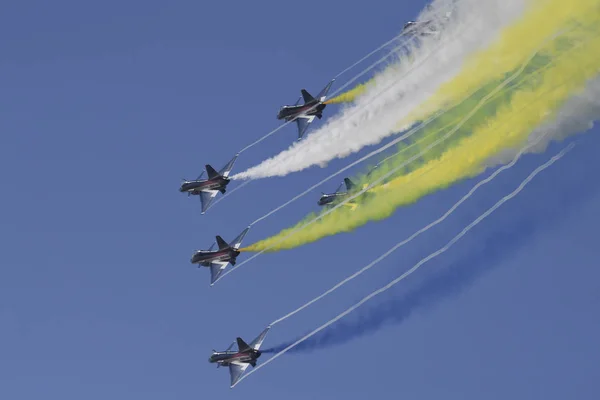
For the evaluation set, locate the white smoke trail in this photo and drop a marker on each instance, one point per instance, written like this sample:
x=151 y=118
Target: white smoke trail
x=407 y=38
x=419 y=232
x=375 y=115
x=376 y=182
x=442 y=250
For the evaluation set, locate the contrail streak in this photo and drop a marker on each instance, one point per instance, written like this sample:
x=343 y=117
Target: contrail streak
x=465 y=158
x=370 y=123
x=230 y=193
x=392 y=171
x=386 y=89
x=420 y=263
x=416 y=234
x=350 y=81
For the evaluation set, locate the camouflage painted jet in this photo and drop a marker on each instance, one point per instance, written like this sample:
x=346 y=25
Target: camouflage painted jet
x=217 y=260
x=238 y=361
x=305 y=113
x=208 y=189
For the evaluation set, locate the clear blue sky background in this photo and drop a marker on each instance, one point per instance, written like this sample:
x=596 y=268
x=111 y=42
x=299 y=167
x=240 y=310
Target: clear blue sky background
x=105 y=107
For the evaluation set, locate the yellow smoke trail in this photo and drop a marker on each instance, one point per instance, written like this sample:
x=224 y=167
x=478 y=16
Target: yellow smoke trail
x=468 y=157
x=540 y=21
x=351 y=94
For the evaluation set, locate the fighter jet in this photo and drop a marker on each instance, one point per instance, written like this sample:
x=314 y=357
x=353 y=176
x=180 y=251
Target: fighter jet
x=238 y=361
x=305 y=113
x=217 y=260
x=333 y=198
x=207 y=189
x=424 y=28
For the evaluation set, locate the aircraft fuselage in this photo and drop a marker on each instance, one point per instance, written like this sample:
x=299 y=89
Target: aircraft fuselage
x=227 y=357
x=206 y=257
x=289 y=113
x=195 y=187
x=331 y=198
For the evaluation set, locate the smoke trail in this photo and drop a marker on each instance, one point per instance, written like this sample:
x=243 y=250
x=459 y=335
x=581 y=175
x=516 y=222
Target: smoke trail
x=419 y=264
x=406 y=85
x=417 y=233
x=576 y=116
x=485 y=252
x=351 y=94
x=466 y=159
x=350 y=81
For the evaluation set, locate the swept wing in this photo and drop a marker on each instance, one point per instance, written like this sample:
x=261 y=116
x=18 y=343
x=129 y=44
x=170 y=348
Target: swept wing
x=206 y=198
x=256 y=343
x=236 y=370
x=227 y=169
x=303 y=124
x=216 y=269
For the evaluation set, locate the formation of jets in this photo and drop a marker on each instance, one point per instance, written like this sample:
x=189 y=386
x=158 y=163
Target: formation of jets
x=226 y=253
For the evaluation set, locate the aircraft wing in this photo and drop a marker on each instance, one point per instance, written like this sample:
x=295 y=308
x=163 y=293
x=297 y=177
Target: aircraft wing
x=325 y=90
x=236 y=370
x=258 y=341
x=227 y=169
x=216 y=269
x=237 y=242
x=206 y=198
x=303 y=124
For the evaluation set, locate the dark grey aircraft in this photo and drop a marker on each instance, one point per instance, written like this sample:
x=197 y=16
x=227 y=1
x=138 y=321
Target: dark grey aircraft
x=427 y=27
x=305 y=113
x=332 y=198
x=208 y=189
x=217 y=260
x=238 y=361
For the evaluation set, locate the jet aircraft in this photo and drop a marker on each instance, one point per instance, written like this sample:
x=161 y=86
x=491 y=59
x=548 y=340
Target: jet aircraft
x=208 y=189
x=425 y=27
x=238 y=361
x=217 y=260
x=332 y=198
x=305 y=113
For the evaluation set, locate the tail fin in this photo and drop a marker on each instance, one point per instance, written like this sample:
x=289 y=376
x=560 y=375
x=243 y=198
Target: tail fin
x=349 y=184
x=212 y=173
x=222 y=244
x=243 y=346
x=307 y=96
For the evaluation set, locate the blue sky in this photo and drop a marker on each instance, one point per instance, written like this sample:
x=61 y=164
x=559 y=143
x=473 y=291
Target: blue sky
x=104 y=109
